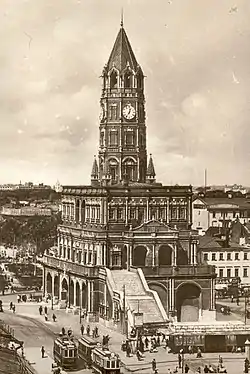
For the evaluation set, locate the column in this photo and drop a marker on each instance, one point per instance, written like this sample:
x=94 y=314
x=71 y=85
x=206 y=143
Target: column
x=147 y=214
x=175 y=254
x=153 y=256
x=60 y=286
x=80 y=211
x=74 y=282
x=130 y=255
x=105 y=298
x=195 y=253
x=89 y=297
x=53 y=285
x=126 y=212
x=168 y=212
x=44 y=281
x=128 y=258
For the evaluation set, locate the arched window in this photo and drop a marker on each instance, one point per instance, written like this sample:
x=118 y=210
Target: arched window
x=127 y=80
x=113 y=80
x=113 y=169
x=129 y=170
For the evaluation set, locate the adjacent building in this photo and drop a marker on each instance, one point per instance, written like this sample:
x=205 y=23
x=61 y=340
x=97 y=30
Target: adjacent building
x=213 y=211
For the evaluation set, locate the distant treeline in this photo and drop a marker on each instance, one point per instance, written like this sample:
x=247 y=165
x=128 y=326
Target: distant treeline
x=29 y=195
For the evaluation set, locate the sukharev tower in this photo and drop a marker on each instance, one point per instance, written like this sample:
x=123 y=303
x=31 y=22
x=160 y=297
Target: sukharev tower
x=126 y=253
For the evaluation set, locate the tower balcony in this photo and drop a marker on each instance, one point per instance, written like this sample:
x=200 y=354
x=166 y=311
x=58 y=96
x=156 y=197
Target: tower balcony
x=69 y=267
x=180 y=271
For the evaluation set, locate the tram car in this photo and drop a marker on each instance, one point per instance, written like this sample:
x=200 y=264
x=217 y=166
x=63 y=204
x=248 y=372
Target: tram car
x=105 y=362
x=85 y=346
x=65 y=352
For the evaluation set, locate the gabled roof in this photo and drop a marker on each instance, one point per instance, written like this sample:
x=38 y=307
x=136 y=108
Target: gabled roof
x=122 y=54
x=155 y=226
x=224 y=202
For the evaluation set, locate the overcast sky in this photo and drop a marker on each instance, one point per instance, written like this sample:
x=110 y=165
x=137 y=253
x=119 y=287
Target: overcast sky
x=196 y=58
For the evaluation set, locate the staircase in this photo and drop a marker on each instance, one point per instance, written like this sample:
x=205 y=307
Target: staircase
x=138 y=296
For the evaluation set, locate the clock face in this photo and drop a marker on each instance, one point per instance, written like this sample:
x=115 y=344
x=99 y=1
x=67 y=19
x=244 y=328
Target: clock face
x=128 y=111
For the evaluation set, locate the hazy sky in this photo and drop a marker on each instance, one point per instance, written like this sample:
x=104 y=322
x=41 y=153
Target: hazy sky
x=196 y=58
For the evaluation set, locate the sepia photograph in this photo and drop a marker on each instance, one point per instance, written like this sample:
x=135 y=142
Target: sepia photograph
x=124 y=186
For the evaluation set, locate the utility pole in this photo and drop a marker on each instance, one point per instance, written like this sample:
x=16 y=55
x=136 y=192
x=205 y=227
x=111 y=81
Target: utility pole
x=124 y=311
x=246 y=302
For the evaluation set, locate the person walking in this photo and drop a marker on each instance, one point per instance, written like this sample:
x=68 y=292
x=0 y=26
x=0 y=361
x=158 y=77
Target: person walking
x=88 y=330
x=43 y=351
x=63 y=331
x=13 y=308
x=40 y=310
x=11 y=305
x=153 y=365
x=45 y=310
x=54 y=317
x=146 y=342
x=82 y=329
x=186 y=369
x=179 y=360
x=46 y=317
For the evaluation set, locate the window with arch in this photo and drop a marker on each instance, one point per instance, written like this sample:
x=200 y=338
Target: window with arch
x=128 y=79
x=113 y=169
x=129 y=169
x=102 y=138
x=113 y=79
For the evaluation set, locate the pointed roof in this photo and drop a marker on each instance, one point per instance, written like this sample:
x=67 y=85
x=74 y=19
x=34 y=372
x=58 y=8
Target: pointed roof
x=122 y=54
x=151 y=168
x=94 y=168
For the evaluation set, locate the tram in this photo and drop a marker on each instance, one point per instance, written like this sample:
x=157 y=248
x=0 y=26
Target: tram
x=85 y=346
x=65 y=352
x=105 y=362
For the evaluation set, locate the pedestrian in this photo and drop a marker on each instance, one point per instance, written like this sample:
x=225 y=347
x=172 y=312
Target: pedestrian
x=246 y=365
x=54 y=317
x=206 y=369
x=45 y=310
x=63 y=331
x=46 y=317
x=11 y=305
x=82 y=329
x=18 y=299
x=186 y=369
x=146 y=342
x=96 y=332
x=40 y=310
x=43 y=351
x=70 y=332
x=153 y=365
x=13 y=308
x=88 y=330
x=179 y=360
x=220 y=360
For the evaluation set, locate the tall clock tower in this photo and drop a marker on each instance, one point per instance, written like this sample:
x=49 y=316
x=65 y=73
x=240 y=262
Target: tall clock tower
x=122 y=148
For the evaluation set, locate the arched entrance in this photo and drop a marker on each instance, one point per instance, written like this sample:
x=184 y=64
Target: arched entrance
x=49 y=283
x=165 y=255
x=71 y=293
x=188 y=302
x=78 y=292
x=56 y=286
x=124 y=257
x=65 y=290
x=162 y=293
x=139 y=256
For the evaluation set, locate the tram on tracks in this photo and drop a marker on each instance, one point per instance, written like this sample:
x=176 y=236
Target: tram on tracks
x=65 y=352
x=105 y=362
x=85 y=346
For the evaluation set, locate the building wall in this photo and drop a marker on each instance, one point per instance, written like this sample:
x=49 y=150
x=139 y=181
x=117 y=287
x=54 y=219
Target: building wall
x=230 y=263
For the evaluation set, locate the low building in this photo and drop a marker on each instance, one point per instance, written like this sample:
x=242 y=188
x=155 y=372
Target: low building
x=26 y=211
x=213 y=211
x=230 y=260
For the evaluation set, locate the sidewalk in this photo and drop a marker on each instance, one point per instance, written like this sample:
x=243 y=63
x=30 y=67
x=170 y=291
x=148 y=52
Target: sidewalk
x=41 y=365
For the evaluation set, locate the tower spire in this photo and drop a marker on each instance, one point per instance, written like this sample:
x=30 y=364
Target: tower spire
x=150 y=170
x=94 y=173
x=122 y=17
